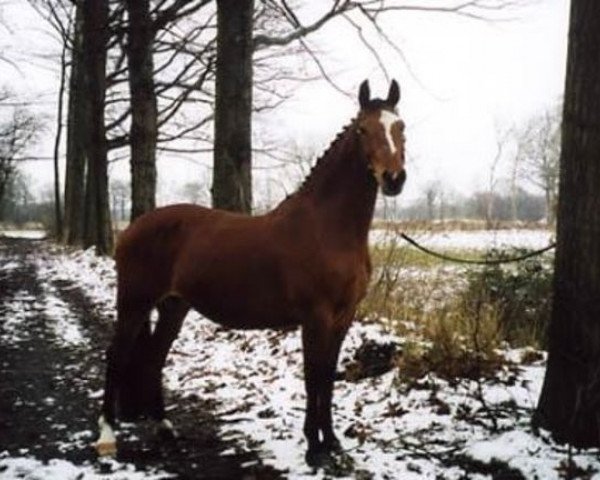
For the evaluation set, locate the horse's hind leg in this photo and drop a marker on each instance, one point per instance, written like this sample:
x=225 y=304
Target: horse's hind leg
x=131 y=320
x=172 y=311
x=132 y=393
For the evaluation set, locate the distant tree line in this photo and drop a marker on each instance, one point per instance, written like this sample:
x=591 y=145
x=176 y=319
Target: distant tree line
x=530 y=208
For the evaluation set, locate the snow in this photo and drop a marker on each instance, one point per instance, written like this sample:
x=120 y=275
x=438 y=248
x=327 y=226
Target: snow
x=471 y=239
x=388 y=427
x=31 y=234
x=16 y=315
x=62 y=321
x=28 y=468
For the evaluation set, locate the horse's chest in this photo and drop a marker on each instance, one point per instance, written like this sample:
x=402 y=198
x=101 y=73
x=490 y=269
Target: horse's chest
x=345 y=279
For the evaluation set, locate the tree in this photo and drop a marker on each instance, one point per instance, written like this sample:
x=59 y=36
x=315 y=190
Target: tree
x=539 y=152
x=570 y=397
x=232 y=174
x=119 y=194
x=502 y=140
x=144 y=113
x=76 y=131
x=433 y=193
x=97 y=224
x=17 y=199
x=58 y=212
x=17 y=133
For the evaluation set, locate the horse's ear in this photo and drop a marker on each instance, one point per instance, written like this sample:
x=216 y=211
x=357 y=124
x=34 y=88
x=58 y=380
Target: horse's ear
x=364 y=94
x=393 y=94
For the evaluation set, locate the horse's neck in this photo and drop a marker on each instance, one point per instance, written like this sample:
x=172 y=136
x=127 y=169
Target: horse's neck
x=342 y=191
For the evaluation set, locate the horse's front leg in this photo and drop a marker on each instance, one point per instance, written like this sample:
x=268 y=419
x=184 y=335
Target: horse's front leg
x=311 y=382
x=321 y=345
x=330 y=441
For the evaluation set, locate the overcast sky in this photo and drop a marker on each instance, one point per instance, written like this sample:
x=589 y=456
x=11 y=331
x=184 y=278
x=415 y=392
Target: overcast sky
x=466 y=80
x=461 y=81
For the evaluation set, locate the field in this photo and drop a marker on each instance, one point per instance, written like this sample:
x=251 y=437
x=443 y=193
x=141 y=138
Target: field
x=425 y=389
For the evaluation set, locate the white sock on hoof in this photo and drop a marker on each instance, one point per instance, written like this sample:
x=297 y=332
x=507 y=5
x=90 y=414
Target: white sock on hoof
x=106 y=445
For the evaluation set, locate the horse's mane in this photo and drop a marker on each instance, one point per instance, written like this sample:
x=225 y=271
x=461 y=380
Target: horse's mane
x=320 y=162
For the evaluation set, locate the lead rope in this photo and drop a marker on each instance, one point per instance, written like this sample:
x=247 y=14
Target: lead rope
x=499 y=261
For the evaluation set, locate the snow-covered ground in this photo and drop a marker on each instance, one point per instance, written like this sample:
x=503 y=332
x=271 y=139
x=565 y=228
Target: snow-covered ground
x=471 y=239
x=32 y=234
x=389 y=428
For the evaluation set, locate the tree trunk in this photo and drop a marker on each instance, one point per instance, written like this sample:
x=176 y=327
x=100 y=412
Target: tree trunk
x=76 y=131
x=570 y=399
x=232 y=177
x=549 y=210
x=58 y=219
x=143 y=108
x=97 y=228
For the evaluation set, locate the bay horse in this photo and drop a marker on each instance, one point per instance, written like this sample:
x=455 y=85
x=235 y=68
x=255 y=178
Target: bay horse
x=305 y=263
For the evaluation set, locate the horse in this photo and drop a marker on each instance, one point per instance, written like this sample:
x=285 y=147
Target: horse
x=303 y=264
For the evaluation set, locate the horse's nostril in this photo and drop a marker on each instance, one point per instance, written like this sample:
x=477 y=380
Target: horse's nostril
x=399 y=176
x=393 y=182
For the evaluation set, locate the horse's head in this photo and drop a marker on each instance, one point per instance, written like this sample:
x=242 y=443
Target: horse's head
x=382 y=137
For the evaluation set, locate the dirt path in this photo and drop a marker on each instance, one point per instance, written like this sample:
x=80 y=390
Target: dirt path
x=49 y=386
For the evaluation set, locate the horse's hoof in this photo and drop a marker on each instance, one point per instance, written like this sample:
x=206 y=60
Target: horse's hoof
x=333 y=446
x=315 y=457
x=166 y=431
x=106 y=445
x=167 y=434
x=106 y=449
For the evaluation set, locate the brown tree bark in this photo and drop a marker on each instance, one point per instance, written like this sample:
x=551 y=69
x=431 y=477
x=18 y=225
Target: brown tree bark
x=232 y=173
x=569 y=405
x=58 y=213
x=143 y=107
x=97 y=226
x=75 y=157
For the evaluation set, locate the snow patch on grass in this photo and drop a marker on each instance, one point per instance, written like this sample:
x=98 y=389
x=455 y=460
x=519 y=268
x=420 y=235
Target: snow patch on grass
x=470 y=240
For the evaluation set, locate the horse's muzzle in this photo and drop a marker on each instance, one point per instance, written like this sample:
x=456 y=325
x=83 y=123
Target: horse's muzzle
x=391 y=185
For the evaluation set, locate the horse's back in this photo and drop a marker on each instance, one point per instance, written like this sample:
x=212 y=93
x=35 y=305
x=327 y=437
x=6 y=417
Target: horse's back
x=215 y=260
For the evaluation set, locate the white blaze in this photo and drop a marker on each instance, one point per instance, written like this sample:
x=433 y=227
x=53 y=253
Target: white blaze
x=388 y=119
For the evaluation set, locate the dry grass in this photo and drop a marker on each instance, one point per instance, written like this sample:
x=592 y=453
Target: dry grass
x=451 y=324
x=454 y=342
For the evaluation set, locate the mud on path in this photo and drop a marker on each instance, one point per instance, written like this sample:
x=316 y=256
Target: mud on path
x=52 y=343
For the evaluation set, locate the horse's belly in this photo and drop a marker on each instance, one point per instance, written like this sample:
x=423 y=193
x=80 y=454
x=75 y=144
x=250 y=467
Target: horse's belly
x=246 y=314
x=250 y=323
